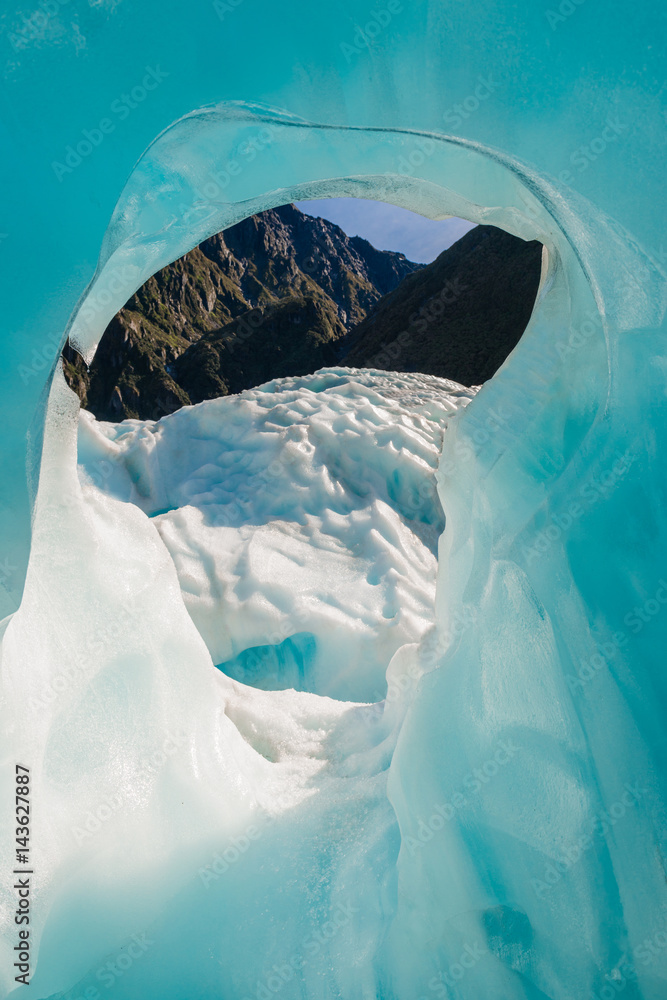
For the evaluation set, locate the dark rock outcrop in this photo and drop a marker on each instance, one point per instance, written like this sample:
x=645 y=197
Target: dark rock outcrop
x=283 y=266
x=459 y=317
x=282 y=293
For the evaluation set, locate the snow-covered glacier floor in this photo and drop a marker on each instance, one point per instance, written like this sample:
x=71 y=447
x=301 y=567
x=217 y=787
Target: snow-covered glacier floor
x=495 y=829
x=302 y=518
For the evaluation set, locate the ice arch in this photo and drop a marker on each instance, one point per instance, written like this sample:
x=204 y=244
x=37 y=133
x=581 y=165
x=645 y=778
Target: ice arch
x=563 y=735
x=209 y=170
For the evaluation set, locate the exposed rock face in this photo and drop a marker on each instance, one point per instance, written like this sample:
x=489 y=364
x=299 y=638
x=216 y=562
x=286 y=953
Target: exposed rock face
x=294 y=336
x=295 y=284
x=459 y=317
x=284 y=294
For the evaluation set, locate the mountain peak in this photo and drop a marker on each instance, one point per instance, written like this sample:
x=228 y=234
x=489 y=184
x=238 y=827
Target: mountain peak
x=246 y=270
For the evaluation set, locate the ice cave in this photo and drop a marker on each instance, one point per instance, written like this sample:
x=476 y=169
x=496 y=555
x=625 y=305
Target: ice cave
x=453 y=785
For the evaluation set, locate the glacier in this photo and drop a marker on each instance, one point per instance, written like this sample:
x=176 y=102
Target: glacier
x=352 y=685
x=307 y=503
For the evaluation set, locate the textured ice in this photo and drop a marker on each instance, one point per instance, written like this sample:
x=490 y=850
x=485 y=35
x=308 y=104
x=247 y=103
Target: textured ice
x=496 y=829
x=306 y=507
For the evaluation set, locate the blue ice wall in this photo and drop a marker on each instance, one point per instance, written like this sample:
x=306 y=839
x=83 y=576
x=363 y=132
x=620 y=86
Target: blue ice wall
x=519 y=848
x=535 y=68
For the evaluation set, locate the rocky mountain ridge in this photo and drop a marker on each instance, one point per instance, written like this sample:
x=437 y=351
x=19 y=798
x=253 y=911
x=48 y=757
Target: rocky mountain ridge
x=459 y=317
x=279 y=270
x=282 y=293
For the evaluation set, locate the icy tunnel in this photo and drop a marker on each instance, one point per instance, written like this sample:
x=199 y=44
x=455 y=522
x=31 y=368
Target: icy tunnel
x=496 y=827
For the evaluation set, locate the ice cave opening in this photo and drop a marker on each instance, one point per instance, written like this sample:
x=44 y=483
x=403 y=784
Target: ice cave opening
x=283 y=597
x=367 y=823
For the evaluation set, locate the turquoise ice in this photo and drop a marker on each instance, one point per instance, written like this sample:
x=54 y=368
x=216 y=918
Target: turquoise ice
x=488 y=823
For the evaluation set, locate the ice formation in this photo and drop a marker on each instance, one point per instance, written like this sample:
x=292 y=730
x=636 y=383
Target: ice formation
x=301 y=517
x=495 y=828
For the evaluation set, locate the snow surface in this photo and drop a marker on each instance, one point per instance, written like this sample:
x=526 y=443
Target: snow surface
x=497 y=829
x=257 y=839
x=302 y=518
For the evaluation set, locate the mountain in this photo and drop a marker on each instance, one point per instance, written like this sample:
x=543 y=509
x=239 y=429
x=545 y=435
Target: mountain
x=294 y=336
x=459 y=317
x=282 y=293
x=267 y=297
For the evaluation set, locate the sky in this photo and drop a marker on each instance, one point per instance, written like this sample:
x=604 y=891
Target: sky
x=388 y=227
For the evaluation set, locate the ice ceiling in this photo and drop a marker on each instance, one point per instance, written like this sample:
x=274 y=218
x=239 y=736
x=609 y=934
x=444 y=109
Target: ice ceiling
x=496 y=827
